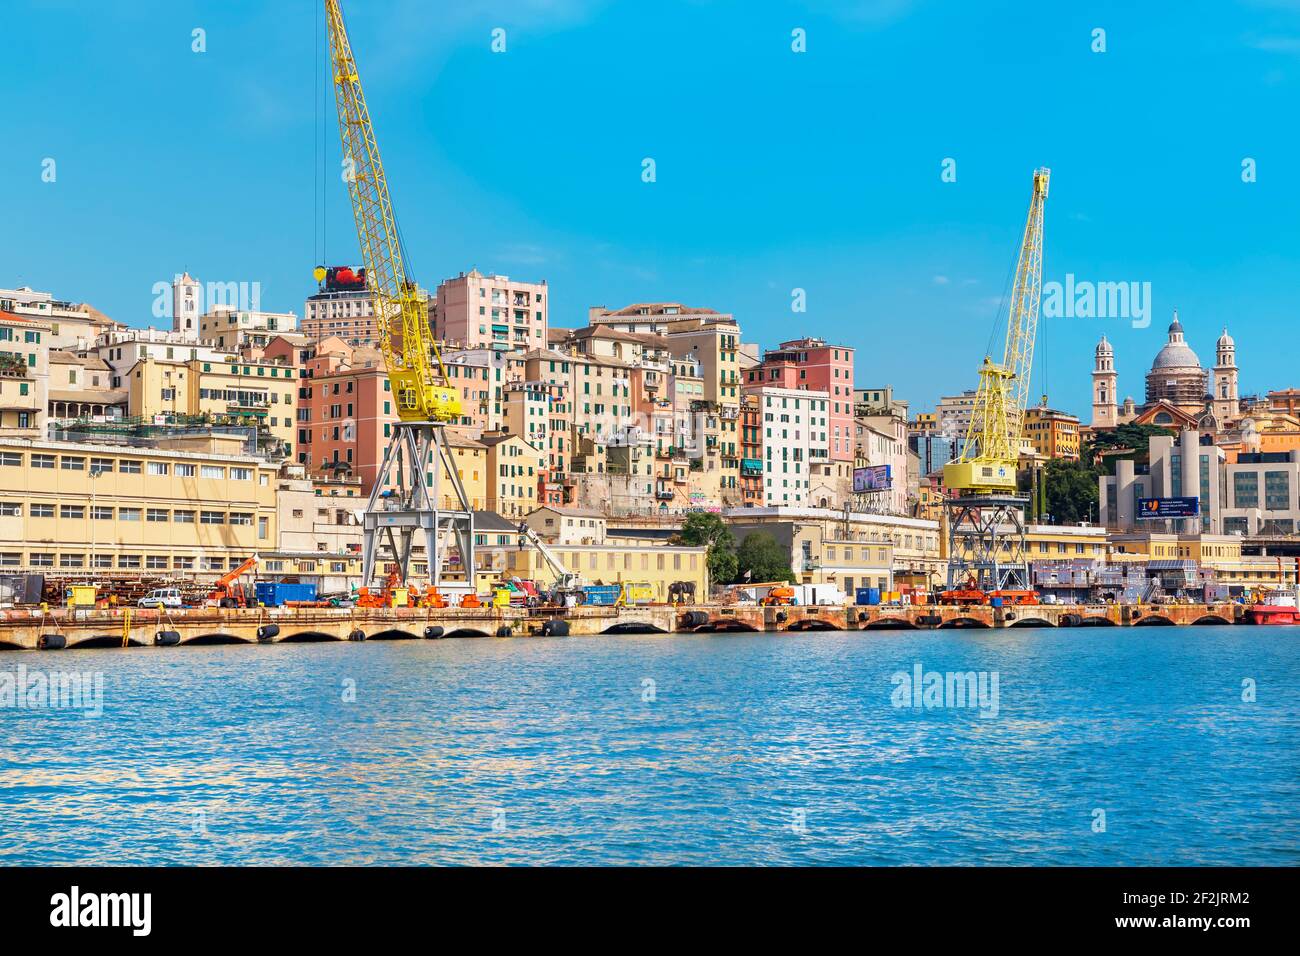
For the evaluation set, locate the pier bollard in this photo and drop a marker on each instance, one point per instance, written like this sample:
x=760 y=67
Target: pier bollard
x=52 y=642
x=433 y=632
x=266 y=632
x=357 y=635
x=167 y=638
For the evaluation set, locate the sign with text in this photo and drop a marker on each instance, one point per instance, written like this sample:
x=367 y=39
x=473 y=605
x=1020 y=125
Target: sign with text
x=1168 y=508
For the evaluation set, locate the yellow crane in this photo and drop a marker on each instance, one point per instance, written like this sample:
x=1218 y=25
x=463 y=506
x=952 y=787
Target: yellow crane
x=407 y=495
x=988 y=458
x=415 y=368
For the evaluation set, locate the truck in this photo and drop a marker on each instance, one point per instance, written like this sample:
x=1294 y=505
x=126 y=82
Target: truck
x=279 y=593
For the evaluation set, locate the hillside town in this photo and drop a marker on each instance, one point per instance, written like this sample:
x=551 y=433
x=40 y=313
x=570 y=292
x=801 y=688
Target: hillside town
x=148 y=455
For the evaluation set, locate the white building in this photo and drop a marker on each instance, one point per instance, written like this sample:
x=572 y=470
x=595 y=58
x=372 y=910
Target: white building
x=794 y=430
x=187 y=305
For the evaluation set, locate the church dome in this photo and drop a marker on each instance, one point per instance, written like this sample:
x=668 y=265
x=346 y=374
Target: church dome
x=1176 y=353
x=1225 y=341
x=1104 y=347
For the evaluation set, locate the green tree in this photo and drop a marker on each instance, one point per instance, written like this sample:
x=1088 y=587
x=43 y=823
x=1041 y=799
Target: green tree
x=763 y=559
x=705 y=529
x=1071 y=491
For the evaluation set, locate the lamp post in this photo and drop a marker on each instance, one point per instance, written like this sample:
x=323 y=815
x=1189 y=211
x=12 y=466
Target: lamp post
x=94 y=474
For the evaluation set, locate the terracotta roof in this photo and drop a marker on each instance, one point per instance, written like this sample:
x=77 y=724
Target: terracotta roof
x=657 y=308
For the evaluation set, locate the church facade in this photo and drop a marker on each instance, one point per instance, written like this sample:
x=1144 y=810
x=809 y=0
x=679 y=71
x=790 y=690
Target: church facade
x=1180 y=393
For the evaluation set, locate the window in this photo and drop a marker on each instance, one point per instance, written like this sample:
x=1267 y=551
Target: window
x=10 y=509
x=100 y=513
x=129 y=467
x=42 y=461
x=157 y=468
x=39 y=559
x=128 y=514
x=211 y=517
x=183 y=517
x=42 y=511
x=129 y=561
x=11 y=459
x=184 y=470
x=72 y=511
x=101 y=464
x=241 y=518
x=182 y=564
x=10 y=559
x=72 y=560
x=212 y=471
x=73 y=463
x=241 y=474
x=157 y=514
x=156 y=562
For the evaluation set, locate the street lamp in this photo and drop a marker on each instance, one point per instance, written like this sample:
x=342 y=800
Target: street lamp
x=94 y=473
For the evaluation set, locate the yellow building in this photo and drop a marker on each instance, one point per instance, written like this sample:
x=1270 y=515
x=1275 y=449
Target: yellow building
x=70 y=507
x=657 y=565
x=1054 y=434
x=24 y=375
x=1219 y=552
x=472 y=463
x=513 y=467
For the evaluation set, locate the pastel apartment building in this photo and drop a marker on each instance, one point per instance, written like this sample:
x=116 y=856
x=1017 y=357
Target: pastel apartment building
x=473 y=310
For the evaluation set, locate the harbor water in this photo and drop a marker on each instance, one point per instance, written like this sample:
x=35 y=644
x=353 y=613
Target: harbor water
x=1103 y=746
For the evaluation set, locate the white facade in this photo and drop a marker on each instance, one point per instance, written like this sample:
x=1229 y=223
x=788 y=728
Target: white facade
x=794 y=429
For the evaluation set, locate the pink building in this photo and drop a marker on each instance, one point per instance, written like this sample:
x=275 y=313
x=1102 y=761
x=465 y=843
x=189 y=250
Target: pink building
x=474 y=311
x=812 y=365
x=345 y=412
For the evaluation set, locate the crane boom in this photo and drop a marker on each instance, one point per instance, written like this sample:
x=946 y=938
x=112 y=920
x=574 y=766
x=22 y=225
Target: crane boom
x=415 y=368
x=988 y=458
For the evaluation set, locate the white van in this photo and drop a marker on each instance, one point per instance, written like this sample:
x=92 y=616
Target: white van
x=162 y=597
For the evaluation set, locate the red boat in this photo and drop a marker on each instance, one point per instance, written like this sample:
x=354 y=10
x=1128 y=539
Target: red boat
x=1278 y=608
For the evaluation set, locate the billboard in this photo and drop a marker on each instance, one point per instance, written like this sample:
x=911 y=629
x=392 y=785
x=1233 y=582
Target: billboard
x=872 y=478
x=1149 y=508
x=344 y=279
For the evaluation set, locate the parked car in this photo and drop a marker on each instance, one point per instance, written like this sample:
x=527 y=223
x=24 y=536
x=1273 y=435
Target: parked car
x=162 y=597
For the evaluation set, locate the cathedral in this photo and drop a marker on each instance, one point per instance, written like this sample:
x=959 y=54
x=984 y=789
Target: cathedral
x=1179 y=392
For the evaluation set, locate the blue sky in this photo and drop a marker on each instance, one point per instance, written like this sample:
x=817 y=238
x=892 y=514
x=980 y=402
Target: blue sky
x=775 y=170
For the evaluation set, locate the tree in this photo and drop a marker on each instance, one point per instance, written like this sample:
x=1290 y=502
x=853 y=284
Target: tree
x=1072 y=494
x=705 y=529
x=763 y=558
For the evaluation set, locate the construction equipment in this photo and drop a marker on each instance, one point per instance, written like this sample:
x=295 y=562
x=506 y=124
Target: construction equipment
x=985 y=516
x=780 y=596
x=568 y=584
x=991 y=451
x=228 y=592
x=407 y=494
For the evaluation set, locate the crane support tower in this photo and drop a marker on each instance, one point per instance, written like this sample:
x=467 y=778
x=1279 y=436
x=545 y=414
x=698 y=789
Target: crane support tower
x=985 y=516
x=407 y=495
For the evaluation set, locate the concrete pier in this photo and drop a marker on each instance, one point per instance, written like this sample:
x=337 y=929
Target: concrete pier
x=63 y=628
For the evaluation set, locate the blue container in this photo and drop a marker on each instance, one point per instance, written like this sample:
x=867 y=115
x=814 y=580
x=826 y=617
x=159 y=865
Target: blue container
x=602 y=595
x=868 y=595
x=995 y=602
x=276 y=593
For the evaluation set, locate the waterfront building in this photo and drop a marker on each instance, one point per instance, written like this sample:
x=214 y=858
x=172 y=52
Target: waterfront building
x=193 y=509
x=849 y=549
x=513 y=468
x=473 y=310
x=656 y=564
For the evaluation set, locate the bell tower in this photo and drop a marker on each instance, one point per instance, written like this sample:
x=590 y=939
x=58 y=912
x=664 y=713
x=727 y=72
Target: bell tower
x=1225 y=379
x=1104 y=380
